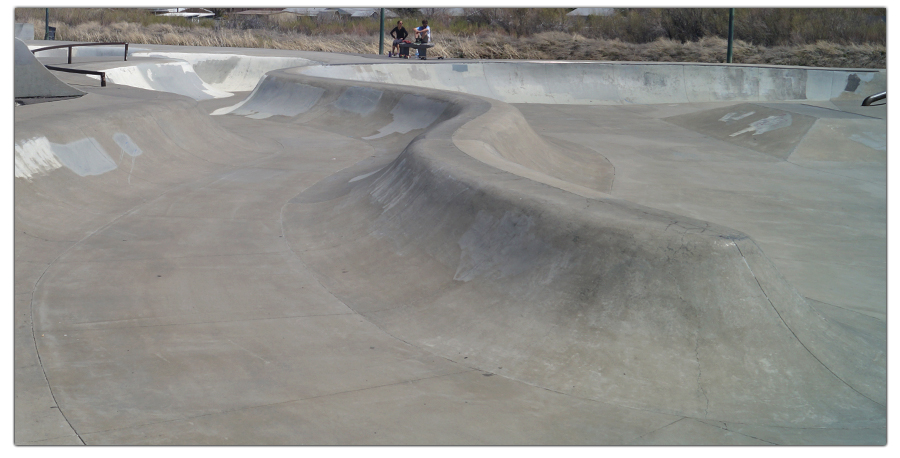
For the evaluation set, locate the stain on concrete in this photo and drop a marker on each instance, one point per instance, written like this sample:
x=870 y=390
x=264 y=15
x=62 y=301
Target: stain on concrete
x=766 y=125
x=360 y=100
x=85 y=157
x=34 y=157
x=852 y=83
x=772 y=130
x=127 y=144
x=498 y=247
x=411 y=112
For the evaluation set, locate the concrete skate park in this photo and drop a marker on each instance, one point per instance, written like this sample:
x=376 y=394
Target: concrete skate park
x=248 y=246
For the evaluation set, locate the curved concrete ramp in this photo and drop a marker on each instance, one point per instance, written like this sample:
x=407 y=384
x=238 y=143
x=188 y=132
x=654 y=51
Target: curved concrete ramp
x=200 y=76
x=230 y=72
x=357 y=262
x=32 y=79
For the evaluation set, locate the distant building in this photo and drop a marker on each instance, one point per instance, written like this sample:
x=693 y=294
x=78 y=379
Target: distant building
x=365 y=12
x=591 y=12
x=184 y=12
x=312 y=12
x=452 y=12
x=322 y=13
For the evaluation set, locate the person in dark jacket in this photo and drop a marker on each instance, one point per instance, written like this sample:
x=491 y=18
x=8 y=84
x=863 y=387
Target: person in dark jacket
x=398 y=34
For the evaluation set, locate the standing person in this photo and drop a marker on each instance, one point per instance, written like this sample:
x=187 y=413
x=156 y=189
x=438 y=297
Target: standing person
x=399 y=34
x=423 y=32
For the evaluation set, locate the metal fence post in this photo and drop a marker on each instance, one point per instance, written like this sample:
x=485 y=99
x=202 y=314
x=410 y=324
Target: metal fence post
x=730 y=56
x=381 y=35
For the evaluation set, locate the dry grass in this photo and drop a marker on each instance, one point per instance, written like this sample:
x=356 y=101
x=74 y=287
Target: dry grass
x=543 y=46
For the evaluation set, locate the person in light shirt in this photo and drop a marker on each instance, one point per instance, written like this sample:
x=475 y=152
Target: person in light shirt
x=423 y=32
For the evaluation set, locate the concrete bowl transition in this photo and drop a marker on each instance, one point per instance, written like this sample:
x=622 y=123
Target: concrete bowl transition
x=236 y=246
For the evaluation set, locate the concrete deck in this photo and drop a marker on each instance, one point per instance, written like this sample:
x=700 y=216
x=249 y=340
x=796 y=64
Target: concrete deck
x=231 y=246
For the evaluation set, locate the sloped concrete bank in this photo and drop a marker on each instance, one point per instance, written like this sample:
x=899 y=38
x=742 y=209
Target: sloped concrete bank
x=164 y=68
x=585 y=295
x=82 y=166
x=103 y=154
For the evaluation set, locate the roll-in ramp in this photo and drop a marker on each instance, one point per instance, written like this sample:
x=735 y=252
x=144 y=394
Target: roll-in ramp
x=33 y=80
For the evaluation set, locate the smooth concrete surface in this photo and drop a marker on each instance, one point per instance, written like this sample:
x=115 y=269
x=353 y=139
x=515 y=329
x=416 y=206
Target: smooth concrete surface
x=325 y=260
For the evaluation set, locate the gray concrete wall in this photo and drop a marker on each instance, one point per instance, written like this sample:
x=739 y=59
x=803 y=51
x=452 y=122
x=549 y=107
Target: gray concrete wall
x=619 y=82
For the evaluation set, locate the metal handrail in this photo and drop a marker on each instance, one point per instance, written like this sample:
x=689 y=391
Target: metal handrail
x=874 y=98
x=82 y=72
x=70 y=46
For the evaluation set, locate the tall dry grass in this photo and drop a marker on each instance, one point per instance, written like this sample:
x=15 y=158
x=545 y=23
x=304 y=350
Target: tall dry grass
x=94 y=26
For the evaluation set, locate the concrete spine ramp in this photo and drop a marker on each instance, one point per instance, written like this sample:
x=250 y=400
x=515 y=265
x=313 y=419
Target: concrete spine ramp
x=32 y=79
x=594 y=297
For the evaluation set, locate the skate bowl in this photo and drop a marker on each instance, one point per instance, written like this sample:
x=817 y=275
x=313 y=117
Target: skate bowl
x=344 y=244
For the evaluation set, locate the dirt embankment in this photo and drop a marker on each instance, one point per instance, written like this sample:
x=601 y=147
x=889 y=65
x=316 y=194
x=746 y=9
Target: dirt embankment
x=548 y=45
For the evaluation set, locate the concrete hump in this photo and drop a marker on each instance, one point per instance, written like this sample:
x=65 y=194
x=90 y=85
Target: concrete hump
x=32 y=79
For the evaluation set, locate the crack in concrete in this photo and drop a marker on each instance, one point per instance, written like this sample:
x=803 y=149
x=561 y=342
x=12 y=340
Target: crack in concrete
x=700 y=374
x=655 y=430
x=192 y=256
x=736 y=432
x=41 y=363
x=795 y=334
x=857 y=312
x=48 y=240
x=280 y=317
x=832 y=174
x=829 y=263
x=290 y=401
x=39 y=441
